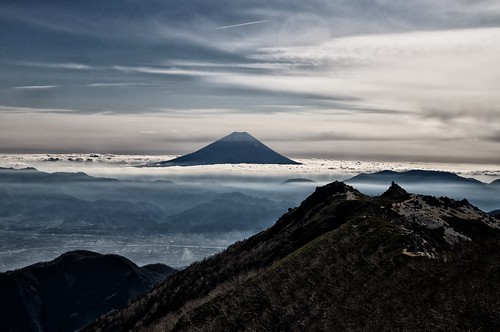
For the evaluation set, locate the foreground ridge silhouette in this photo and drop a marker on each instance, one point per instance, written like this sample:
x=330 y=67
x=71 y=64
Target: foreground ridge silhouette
x=340 y=261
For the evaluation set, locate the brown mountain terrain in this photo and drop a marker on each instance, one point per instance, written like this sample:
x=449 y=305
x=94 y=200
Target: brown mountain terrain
x=340 y=261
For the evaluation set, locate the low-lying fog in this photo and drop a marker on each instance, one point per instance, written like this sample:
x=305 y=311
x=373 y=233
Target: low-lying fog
x=173 y=215
x=321 y=170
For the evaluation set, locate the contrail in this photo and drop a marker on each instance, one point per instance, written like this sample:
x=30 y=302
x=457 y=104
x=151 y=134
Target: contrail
x=36 y=87
x=240 y=25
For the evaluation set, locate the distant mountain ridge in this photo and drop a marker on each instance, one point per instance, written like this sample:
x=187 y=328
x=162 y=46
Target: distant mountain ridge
x=49 y=208
x=340 y=261
x=299 y=180
x=437 y=183
x=32 y=174
x=73 y=289
x=235 y=148
x=413 y=176
x=33 y=199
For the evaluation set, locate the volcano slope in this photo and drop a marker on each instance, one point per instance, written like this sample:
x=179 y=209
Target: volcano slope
x=340 y=261
x=235 y=148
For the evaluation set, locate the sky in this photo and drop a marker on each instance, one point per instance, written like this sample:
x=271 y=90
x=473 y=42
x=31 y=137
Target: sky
x=358 y=79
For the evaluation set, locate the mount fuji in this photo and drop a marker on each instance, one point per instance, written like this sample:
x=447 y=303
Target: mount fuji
x=235 y=148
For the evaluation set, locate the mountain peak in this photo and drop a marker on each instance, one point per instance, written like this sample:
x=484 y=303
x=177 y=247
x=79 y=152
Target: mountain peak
x=238 y=136
x=235 y=148
x=395 y=191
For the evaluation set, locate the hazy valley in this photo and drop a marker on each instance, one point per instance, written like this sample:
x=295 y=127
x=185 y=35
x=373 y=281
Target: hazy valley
x=44 y=214
x=177 y=218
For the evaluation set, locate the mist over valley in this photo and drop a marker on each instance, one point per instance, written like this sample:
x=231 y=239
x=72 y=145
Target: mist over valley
x=178 y=215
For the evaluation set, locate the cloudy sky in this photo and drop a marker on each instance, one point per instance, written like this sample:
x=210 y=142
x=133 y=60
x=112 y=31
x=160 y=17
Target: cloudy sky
x=357 y=79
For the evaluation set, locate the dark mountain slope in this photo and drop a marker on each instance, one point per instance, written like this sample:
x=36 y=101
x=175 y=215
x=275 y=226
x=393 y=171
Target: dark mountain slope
x=361 y=285
x=70 y=291
x=235 y=148
x=340 y=261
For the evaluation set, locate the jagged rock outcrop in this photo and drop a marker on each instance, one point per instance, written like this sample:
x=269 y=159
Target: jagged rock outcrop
x=395 y=192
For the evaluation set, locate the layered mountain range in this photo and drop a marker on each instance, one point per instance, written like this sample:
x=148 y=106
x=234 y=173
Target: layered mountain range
x=342 y=260
x=62 y=202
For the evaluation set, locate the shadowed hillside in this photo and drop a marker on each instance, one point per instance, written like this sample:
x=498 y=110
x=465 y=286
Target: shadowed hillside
x=340 y=261
x=72 y=290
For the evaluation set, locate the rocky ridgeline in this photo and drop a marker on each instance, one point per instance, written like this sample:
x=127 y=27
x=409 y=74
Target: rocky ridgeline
x=340 y=261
